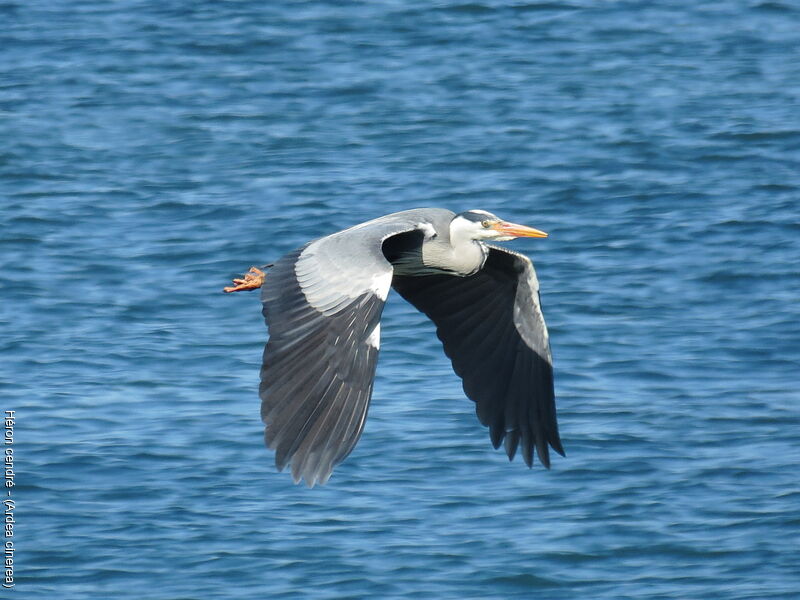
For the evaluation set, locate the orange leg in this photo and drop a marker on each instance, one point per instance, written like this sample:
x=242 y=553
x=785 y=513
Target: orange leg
x=252 y=280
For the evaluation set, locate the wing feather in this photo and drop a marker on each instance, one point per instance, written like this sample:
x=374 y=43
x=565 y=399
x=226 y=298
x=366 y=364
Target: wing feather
x=492 y=329
x=322 y=303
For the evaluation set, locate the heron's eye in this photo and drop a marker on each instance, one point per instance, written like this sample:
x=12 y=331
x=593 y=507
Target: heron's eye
x=486 y=224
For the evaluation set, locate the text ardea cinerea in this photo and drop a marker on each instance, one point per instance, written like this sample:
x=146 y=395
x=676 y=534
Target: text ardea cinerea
x=323 y=304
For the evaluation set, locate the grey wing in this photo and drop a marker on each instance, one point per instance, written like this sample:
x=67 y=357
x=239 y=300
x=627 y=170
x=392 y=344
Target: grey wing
x=323 y=304
x=493 y=331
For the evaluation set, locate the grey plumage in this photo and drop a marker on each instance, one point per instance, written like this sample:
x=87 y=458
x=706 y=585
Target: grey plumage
x=323 y=304
x=492 y=329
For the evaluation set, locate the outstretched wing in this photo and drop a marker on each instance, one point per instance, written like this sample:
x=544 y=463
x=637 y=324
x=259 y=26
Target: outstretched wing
x=323 y=304
x=493 y=330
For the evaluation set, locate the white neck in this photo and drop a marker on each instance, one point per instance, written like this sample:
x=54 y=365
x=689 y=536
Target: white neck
x=461 y=232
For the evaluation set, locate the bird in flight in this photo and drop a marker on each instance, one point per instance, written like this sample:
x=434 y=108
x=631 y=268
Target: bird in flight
x=323 y=304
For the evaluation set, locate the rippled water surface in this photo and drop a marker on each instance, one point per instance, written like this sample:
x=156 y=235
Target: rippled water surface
x=153 y=150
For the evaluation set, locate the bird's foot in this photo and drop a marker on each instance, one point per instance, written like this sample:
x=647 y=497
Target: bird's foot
x=252 y=280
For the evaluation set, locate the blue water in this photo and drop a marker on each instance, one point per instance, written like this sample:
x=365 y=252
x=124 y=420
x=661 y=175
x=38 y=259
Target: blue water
x=153 y=150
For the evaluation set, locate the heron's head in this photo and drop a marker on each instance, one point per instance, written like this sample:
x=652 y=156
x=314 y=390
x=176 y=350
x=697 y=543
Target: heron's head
x=484 y=226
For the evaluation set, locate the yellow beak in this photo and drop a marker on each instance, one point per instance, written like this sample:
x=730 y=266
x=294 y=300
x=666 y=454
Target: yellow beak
x=518 y=230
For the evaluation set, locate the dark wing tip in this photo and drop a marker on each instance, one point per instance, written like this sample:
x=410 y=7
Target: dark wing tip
x=543 y=454
x=511 y=444
x=556 y=445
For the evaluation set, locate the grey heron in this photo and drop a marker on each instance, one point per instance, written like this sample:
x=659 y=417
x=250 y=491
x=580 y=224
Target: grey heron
x=323 y=304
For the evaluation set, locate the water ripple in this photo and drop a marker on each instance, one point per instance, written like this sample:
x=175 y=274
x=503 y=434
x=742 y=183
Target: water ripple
x=153 y=151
